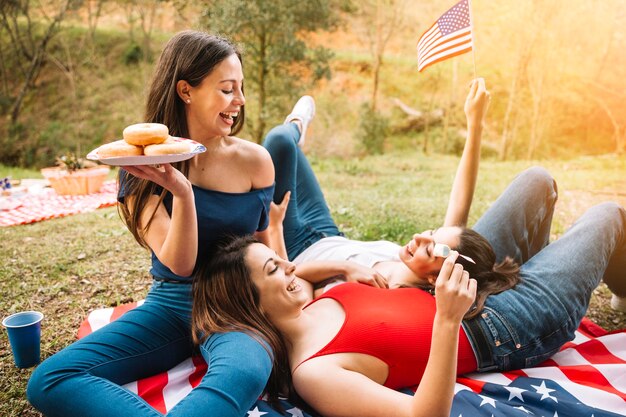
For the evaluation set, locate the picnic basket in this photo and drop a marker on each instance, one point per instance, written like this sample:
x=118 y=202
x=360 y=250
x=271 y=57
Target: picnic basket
x=77 y=182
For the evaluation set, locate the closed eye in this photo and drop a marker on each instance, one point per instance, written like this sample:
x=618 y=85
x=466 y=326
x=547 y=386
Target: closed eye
x=227 y=91
x=273 y=270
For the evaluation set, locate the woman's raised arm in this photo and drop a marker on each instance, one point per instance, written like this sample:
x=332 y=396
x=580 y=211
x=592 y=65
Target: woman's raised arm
x=462 y=193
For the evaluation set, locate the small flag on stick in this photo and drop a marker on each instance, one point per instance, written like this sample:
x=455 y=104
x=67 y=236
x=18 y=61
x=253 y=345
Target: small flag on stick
x=449 y=36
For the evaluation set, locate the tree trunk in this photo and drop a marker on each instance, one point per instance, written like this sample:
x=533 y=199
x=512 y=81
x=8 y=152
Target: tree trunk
x=377 y=64
x=37 y=62
x=535 y=124
x=427 y=125
x=450 y=105
x=93 y=18
x=5 y=81
x=17 y=104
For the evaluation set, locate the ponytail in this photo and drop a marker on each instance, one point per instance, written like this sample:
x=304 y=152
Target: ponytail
x=492 y=277
x=502 y=276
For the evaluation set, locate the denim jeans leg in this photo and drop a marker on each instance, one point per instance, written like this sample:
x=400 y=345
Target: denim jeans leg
x=239 y=367
x=545 y=309
x=85 y=378
x=307 y=206
x=518 y=223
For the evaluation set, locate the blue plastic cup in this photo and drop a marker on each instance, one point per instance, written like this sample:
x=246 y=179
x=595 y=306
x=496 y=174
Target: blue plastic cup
x=25 y=337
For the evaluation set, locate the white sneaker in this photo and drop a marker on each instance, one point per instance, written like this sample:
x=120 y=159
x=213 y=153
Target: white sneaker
x=618 y=303
x=304 y=111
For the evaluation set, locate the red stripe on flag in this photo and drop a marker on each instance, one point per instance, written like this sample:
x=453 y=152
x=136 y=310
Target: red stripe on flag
x=84 y=329
x=151 y=390
x=121 y=309
x=512 y=375
x=424 y=37
x=473 y=384
x=201 y=368
x=424 y=53
x=590 y=329
x=589 y=376
x=446 y=57
x=596 y=353
x=432 y=52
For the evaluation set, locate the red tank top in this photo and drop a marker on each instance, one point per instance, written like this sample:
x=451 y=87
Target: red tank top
x=394 y=326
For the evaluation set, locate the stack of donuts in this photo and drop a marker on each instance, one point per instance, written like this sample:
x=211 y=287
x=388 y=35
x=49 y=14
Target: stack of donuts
x=144 y=139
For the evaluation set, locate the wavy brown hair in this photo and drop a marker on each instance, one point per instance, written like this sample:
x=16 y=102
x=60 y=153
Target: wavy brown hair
x=225 y=299
x=191 y=56
x=492 y=277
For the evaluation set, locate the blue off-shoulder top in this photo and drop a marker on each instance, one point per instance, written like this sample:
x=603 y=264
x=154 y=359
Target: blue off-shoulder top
x=220 y=214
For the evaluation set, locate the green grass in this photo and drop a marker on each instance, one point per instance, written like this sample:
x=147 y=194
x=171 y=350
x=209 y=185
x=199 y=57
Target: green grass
x=17 y=173
x=67 y=267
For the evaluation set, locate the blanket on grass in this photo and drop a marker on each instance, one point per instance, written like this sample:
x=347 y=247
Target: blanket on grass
x=586 y=378
x=32 y=208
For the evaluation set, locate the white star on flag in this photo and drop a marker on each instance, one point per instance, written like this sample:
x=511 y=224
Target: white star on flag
x=515 y=392
x=487 y=400
x=256 y=412
x=295 y=412
x=521 y=407
x=545 y=391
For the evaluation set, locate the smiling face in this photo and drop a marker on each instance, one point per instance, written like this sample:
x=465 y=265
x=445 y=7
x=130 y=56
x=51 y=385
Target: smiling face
x=418 y=256
x=280 y=293
x=214 y=104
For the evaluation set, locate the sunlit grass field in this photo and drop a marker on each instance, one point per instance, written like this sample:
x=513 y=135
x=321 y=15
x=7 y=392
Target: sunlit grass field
x=67 y=267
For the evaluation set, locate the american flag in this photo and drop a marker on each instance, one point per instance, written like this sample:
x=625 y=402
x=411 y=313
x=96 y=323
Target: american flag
x=449 y=36
x=586 y=378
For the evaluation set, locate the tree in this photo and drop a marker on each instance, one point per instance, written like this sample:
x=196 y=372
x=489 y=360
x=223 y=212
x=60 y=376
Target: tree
x=278 y=62
x=30 y=40
x=143 y=12
x=379 y=20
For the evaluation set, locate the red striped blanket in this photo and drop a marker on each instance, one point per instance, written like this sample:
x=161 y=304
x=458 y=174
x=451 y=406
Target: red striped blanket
x=586 y=378
x=49 y=205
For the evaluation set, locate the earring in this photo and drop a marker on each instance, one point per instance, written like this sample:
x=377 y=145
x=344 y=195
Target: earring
x=188 y=101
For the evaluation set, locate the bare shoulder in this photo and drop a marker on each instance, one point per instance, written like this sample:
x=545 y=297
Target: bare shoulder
x=256 y=160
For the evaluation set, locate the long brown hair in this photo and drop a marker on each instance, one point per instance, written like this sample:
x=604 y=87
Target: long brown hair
x=225 y=299
x=492 y=277
x=191 y=56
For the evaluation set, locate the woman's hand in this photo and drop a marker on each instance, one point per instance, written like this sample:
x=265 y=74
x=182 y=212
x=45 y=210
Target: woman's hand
x=275 y=228
x=455 y=291
x=358 y=273
x=166 y=176
x=278 y=211
x=477 y=103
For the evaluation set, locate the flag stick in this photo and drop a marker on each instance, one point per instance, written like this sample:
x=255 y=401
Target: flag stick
x=469 y=3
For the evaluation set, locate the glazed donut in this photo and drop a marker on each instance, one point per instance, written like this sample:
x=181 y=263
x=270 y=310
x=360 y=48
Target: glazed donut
x=170 y=146
x=119 y=148
x=142 y=134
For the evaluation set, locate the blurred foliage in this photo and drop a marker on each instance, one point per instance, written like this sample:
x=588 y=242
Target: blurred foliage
x=373 y=130
x=278 y=63
x=558 y=91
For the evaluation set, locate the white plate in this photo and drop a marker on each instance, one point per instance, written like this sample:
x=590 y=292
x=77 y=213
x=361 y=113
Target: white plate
x=150 y=160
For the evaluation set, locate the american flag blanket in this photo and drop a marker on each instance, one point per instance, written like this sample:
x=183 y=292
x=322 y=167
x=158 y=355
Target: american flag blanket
x=586 y=378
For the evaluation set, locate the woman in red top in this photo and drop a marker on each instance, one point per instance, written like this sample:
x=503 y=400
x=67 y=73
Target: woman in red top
x=345 y=352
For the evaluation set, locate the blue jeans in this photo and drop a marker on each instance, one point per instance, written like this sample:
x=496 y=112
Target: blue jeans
x=523 y=326
x=308 y=218
x=84 y=379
